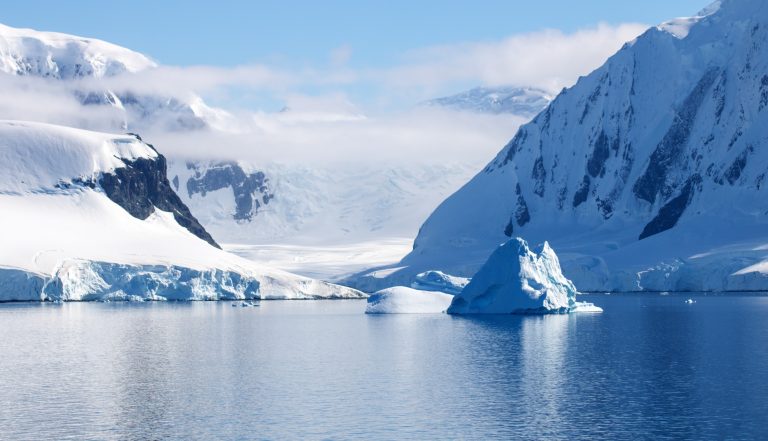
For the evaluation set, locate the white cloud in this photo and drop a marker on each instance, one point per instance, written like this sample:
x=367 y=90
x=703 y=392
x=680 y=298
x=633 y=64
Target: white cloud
x=328 y=124
x=341 y=55
x=548 y=59
x=423 y=135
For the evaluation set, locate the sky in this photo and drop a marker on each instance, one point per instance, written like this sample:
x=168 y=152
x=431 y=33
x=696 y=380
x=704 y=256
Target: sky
x=351 y=72
x=374 y=33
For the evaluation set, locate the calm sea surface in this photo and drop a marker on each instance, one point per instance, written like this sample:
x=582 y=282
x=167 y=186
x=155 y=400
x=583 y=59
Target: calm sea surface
x=650 y=367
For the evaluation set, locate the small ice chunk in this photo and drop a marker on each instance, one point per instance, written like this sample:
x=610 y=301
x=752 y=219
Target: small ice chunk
x=586 y=307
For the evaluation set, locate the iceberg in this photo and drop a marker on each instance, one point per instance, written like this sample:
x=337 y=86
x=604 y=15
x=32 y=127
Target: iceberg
x=516 y=280
x=404 y=300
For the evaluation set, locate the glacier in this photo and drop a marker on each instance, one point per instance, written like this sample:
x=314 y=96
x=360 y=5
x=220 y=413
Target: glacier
x=648 y=174
x=92 y=216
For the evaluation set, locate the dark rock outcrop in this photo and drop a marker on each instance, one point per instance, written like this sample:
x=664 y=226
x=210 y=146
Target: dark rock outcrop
x=670 y=150
x=249 y=189
x=671 y=212
x=142 y=185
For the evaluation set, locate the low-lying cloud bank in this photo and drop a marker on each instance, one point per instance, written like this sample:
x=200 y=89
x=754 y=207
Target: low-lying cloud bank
x=418 y=135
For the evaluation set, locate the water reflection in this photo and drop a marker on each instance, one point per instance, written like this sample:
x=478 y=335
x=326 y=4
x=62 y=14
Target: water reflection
x=545 y=340
x=141 y=372
x=649 y=367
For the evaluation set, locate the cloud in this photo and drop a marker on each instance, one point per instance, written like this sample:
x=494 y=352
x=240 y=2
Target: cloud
x=422 y=135
x=548 y=59
x=334 y=111
x=341 y=55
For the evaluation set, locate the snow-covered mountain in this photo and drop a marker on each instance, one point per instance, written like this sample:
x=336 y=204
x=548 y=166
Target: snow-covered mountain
x=648 y=174
x=368 y=211
x=62 y=57
x=92 y=216
x=523 y=101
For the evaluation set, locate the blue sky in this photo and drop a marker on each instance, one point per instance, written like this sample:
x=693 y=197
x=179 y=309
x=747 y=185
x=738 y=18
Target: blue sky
x=296 y=33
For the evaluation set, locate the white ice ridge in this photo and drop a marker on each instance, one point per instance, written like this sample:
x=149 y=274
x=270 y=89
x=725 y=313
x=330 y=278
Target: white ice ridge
x=681 y=27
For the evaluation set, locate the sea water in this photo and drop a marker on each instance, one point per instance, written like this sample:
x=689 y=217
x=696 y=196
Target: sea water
x=649 y=367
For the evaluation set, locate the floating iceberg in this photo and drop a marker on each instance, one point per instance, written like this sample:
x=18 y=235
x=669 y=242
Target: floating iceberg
x=403 y=300
x=586 y=307
x=516 y=280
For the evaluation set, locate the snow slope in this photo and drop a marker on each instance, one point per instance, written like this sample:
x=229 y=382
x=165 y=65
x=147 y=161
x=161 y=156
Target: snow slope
x=648 y=174
x=69 y=232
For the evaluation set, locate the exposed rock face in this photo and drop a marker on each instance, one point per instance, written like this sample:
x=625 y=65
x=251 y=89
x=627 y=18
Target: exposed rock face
x=671 y=212
x=142 y=185
x=516 y=280
x=250 y=190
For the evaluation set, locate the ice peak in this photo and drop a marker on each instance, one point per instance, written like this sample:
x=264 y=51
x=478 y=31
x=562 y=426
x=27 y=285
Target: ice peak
x=519 y=244
x=517 y=280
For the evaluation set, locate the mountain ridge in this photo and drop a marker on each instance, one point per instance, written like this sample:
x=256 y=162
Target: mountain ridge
x=629 y=171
